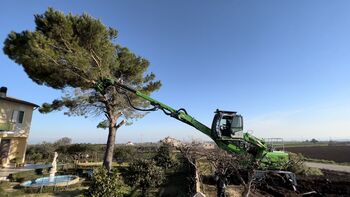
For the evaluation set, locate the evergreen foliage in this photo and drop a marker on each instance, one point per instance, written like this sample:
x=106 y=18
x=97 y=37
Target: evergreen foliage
x=125 y=153
x=75 y=53
x=107 y=184
x=145 y=174
x=164 y=158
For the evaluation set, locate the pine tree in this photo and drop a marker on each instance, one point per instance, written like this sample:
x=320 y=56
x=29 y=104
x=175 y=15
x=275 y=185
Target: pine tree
x=74 y=53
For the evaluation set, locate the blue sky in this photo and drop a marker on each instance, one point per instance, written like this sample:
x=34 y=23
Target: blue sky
x=283 y=65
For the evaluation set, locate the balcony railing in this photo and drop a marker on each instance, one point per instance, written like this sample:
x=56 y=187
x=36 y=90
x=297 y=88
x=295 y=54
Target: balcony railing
x=7 y=126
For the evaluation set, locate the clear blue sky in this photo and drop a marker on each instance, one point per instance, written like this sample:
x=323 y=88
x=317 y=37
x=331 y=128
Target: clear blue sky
x=284 y=65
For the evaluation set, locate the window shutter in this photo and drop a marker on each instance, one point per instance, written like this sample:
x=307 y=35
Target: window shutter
x=14 y=116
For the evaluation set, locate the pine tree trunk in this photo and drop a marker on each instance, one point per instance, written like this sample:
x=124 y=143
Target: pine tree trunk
x=108 y=157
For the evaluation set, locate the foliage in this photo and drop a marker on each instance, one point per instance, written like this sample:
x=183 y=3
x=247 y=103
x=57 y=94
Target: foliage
x=312 y=171
x=125 y=153
x=40 y=152
x=79 y=148
x=145 y=174
x=296 y=165
x=77 y=53
x=24 y=176
x=164 y=158
x=33 y=156
x=43 y=153
x=65 y=141
x=107 y=184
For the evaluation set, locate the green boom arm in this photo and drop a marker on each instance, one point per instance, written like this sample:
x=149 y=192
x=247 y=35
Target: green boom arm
x=260 y=147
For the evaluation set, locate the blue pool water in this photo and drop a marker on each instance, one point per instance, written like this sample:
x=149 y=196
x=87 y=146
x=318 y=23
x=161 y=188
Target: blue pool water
x=45 y=181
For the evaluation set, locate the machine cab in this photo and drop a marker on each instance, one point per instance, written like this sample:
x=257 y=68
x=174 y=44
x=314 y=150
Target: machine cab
x=227 y=125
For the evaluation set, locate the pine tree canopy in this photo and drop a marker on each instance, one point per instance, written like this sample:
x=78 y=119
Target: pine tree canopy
x=78 y=51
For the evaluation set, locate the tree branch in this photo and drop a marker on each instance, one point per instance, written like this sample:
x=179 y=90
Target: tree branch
x=94 y=58
x=120 y=124
x=118 y=115
x=65 y=44
x=57 y=47
x=70 y=69
x=100 y=59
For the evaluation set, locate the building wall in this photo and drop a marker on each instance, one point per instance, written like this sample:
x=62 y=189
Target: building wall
x=17 y=151
x=7 y=109
x=20 y=132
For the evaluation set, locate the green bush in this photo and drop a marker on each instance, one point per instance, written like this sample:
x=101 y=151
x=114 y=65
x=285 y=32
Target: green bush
x=164 y=157
x=107 y=184
x=145 y=174
x=23 y=176
x=296 y=165
x=125 y=153
x=312 y=171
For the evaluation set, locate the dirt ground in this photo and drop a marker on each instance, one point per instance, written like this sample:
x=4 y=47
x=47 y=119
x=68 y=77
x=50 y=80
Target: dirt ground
x=333 y=153
x=331 y=184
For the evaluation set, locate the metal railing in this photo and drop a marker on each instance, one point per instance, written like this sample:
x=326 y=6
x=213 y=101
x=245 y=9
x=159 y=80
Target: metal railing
x=275 y=143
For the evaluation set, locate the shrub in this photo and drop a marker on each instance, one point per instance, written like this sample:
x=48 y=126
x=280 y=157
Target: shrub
x=296 y=165
x=145 y=174
x=312 y=171
x=107 y=184
x=23 y=176
x=164 y=157
x=125 y=153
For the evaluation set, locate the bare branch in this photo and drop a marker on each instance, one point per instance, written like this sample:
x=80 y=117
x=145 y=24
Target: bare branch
x=66 y=44
x=120 y=124
x=94 y=58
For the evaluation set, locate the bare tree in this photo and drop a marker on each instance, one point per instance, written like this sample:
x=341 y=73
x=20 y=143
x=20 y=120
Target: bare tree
x=227 y=165
x=191 y=152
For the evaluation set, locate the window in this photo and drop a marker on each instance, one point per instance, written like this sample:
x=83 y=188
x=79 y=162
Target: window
x=18 y=116
x=237 y=124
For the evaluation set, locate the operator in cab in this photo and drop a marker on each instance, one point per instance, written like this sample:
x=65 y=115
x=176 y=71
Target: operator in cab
x=227 y=124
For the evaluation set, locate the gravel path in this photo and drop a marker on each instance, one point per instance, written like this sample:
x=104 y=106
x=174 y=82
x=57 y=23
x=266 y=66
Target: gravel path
x=326 y=166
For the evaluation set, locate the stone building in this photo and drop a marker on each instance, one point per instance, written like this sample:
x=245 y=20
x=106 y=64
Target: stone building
x=171 y=141
x=15 y=121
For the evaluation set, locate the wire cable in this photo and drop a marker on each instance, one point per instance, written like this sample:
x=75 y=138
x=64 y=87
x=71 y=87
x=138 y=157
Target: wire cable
x=139 y=109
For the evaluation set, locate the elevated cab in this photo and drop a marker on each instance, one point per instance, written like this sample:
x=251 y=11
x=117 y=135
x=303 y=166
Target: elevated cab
x=227 y=125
